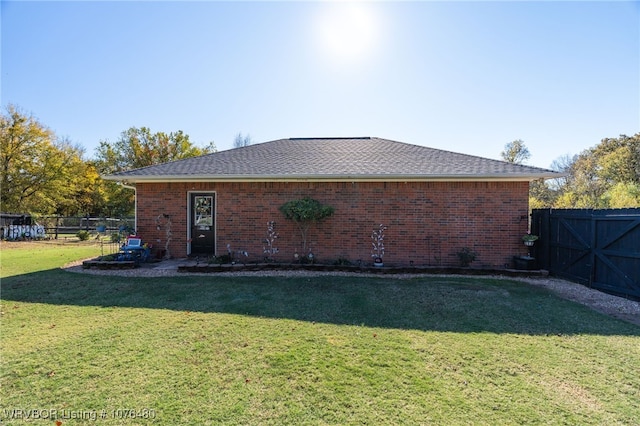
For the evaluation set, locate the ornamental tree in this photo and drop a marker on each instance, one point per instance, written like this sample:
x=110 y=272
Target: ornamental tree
x=304 y=212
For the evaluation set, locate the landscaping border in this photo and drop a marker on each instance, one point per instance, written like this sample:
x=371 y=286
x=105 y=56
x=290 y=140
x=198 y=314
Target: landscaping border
x=435 y=270
x=107 y=264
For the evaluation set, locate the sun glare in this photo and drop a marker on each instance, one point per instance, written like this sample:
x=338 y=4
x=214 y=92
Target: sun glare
x=347 y=31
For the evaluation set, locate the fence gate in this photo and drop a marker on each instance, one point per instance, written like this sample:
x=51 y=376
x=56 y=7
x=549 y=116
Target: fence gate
x=598 y=248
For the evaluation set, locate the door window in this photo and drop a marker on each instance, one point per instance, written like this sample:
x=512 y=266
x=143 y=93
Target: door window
x=203 y=210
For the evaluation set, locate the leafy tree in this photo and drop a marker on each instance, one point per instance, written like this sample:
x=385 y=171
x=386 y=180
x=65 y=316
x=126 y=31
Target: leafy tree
x=89 y=197
x=562 y=164
x=583 y=189
x=618 y=159
x=515 y=152
x=605 y=176
x=241 y=141
x=540 y=195
x=110 y=198
x=38 y=171
x=305 y=212
x=622 y=195
x=79 y=192
x=138 y=147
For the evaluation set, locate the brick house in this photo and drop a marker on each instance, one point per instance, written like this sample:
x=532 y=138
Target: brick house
x=433 y=202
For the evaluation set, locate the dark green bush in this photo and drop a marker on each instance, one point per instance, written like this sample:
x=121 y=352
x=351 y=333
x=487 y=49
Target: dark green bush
x=109 y=257
x=342 y=261
x=466 y=256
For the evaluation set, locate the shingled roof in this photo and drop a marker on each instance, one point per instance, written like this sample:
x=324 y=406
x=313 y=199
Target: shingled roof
x=333 y=159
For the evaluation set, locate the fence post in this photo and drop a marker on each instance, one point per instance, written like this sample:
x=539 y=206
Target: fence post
x=540 y=227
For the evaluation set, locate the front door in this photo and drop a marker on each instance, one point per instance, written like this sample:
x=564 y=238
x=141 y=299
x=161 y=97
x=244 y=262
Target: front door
x=203 y=224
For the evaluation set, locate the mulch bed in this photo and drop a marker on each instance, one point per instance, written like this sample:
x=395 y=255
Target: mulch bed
x=105 y=264
x=218 y=268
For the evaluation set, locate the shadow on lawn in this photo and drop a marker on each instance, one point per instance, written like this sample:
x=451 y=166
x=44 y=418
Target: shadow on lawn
x=461 y=304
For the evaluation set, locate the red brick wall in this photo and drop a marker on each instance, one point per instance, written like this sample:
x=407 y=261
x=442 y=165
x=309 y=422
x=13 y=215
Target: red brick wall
x=428 y=222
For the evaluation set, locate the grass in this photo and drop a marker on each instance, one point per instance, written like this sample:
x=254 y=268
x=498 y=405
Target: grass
x=325 y=350
x=31 y=256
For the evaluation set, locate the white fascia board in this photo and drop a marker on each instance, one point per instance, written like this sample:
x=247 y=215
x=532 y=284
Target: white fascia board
x=336 y=178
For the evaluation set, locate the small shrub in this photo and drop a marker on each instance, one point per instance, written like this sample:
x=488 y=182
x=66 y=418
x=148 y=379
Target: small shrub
x=309 y=259
x=83 y=235
x=466 y=256
x=109 y=257
x=223 y=259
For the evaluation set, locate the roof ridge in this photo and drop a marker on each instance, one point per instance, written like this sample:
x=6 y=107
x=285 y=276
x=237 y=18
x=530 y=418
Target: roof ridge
x=329 y=138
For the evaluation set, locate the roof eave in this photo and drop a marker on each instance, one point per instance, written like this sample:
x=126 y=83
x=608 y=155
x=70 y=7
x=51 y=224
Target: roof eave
x=513 y=177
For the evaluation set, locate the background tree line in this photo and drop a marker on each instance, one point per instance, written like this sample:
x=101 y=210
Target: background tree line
x=604 y=176
x=42 y=173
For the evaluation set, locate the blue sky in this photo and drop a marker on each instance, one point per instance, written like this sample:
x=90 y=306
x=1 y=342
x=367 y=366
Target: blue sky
x=463 y=76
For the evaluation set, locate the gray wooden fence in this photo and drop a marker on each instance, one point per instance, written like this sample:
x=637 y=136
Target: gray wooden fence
x=16 y=226
x=57 y=225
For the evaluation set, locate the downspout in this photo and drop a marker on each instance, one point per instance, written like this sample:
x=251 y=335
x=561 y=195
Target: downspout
x=135 y=205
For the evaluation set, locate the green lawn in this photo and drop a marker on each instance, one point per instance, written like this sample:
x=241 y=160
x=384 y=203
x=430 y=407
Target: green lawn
x=325 y=350
x=20 y=257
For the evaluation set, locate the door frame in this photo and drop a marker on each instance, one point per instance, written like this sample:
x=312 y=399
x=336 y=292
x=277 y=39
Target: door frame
x=190 y=217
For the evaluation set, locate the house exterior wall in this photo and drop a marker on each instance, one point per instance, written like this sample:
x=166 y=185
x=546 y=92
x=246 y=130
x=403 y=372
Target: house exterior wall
x=428 y=222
